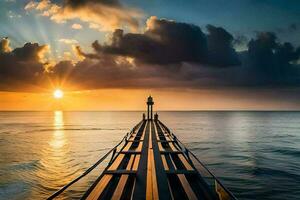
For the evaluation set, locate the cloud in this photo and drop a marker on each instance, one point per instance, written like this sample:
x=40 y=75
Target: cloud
x=109 y=66
x=173 y=54
x=273 y=61
x=22 y=66
x=76 y=26
x=30 y=52
x=169 y=42
x=106 y=15
x=220 y=48
x=168 y=54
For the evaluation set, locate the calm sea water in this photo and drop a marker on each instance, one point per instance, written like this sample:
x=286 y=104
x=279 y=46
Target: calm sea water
x=255 y=154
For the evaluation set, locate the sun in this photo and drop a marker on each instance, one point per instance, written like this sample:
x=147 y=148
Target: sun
x=58 y=94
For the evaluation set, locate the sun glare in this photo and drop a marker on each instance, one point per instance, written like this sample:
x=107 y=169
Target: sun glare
x=58 y=94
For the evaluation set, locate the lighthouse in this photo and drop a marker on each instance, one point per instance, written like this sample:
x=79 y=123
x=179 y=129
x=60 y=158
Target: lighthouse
x=150 y=108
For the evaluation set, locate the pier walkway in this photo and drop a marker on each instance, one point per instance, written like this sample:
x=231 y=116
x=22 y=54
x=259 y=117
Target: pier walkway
x=153 y=164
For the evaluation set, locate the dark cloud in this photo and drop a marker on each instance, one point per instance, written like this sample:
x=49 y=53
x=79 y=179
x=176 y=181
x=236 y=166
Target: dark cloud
x=30 y=52
x=164 y=42
x=220 y=50
x=170 y=42
x=21 y=67
x=168 y=54
x=273 y=61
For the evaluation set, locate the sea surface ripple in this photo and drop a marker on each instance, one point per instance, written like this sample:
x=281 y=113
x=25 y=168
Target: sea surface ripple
x=255 y=154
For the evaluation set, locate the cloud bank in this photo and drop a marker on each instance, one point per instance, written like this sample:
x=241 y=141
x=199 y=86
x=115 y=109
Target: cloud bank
x=168 y=54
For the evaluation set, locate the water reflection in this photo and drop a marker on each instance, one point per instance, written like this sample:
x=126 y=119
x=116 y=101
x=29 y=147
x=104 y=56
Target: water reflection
x=58 y=139
x=55 y=162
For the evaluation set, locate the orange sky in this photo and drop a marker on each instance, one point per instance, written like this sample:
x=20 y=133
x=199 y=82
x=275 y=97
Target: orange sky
x=70 y=44
x=130 y=99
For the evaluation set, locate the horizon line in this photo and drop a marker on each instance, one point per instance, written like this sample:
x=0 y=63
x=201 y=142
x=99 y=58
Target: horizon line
x=196 y=110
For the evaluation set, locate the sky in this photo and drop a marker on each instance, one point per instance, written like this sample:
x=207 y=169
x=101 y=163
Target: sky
x=112 y=54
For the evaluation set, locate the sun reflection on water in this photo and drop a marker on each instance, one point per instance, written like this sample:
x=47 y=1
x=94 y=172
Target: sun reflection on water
x=58 y=140
x=56 y=163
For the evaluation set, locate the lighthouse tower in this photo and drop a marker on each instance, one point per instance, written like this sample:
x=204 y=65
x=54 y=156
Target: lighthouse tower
x=150 y=108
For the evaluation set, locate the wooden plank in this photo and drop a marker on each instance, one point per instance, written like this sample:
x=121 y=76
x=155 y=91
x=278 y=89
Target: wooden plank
x=137 y=128
x=149 y=185
x=130 y=162
x=160 y=147
x=139 y=148
x=172 y=162
x=151 y=188
x=163 y=157
x=173 y=147
x=120 y=187
x=168 y=138
x=97 y=191
x=139 y=189
x=122 y=182
x=167 y=134
x=154 y=178
x=185 y=162
x=144 y=132
x=187 y=188
x=117 y=162
x=127 y=147
x=136 y=162
x=163 y=192
x=134 y=133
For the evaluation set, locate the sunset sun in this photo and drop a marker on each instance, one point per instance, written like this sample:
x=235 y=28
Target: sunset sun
x=58 y=94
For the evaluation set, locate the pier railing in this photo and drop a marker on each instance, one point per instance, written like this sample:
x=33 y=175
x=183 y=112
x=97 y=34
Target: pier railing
x=213 y=182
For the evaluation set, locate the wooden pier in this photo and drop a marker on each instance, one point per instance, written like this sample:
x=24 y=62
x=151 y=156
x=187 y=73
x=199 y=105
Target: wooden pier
x=153 y=165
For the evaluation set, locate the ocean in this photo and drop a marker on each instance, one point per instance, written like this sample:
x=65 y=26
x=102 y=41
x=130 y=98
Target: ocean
x=255 y=154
